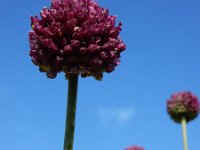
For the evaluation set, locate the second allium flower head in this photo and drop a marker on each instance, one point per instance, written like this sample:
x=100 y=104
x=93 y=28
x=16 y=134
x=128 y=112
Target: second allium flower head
x=183 y=105
x=76 y=37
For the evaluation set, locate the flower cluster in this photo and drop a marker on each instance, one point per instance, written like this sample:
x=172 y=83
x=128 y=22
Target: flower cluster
x=134 y=148
x=183 y=105
x=75 y=37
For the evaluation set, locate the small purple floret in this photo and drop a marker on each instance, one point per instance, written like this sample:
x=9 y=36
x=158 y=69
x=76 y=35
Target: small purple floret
x=75 y=37
x=183 y=105
x=134 y=148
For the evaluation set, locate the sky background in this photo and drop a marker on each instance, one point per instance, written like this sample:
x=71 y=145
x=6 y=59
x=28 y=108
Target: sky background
x=129 y=106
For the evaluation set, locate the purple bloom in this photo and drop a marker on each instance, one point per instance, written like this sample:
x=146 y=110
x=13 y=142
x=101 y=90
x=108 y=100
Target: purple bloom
x=75 y=37
x=183 y=105
x=134 y=148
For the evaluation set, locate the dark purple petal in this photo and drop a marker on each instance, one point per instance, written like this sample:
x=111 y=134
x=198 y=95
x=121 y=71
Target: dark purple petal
x=67 y=49
x=58 y=60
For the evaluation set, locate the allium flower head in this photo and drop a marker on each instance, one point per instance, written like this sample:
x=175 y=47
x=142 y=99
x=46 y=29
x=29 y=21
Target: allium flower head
x=134 y=148
x=183 y=105
x=75 y=37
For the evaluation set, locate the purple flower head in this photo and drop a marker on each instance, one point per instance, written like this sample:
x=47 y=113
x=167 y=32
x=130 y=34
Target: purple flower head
x=134 y=148
x=183 y=105
x=75 y=37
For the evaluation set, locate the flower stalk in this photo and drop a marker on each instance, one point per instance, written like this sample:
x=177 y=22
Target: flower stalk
x=184 y=131
x=182 y=108
x=76 y=37
x=71 y=112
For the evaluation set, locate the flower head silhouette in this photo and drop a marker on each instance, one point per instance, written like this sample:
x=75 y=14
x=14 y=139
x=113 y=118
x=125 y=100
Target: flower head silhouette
x=75 y=37
x=183 y=105
x=134 y=148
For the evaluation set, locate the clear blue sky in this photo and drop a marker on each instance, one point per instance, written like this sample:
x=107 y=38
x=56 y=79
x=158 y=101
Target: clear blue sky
x=128 y=106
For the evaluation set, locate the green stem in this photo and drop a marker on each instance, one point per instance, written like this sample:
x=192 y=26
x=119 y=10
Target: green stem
x=71 y=112
x=184 y=130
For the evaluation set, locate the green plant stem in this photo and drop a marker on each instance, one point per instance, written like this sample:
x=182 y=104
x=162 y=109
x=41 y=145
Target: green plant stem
x=184 y=130
x=71 y=112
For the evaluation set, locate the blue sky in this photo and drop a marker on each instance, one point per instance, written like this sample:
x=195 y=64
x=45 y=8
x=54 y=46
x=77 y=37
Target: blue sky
x=129 y=106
